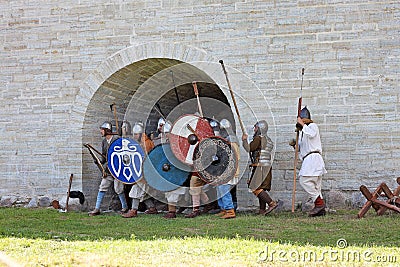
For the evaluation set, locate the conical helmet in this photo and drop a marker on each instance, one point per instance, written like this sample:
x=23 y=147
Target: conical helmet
x=106 y=125
x=166 y=128
x=262 y=126
x=225 y=124
x=126 y=128
x=138 y=128
x=161 y=122
x=305 y=113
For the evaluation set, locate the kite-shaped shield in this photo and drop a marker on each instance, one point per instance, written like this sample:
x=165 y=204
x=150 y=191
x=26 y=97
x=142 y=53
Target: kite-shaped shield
x=125 y=158
x=185 y=135
x=215 y=160
x=163 y=171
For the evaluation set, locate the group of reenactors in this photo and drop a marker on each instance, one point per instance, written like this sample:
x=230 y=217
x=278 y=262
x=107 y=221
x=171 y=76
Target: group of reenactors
x=259 y=148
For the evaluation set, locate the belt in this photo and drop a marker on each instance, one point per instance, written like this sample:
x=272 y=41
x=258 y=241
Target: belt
x=312 y=152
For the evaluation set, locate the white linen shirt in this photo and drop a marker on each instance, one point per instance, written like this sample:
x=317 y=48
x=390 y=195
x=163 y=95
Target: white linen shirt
x=310 y=140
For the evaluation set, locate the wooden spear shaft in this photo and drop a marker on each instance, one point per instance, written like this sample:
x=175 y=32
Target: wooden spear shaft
x=114 y=109
x=69 y=191
x=296 y=150
x=233 y=97
x=196 y=92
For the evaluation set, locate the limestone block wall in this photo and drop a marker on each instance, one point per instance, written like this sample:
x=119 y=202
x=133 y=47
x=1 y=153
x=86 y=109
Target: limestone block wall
x=55 y=57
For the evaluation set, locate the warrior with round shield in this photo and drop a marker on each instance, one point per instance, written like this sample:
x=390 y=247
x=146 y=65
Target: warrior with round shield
x=174 y=196
x=138 y=190
x=313 y=166
x=260 y=149
x=161 y=136
x=225 y=198
x=197 y=184
x=108 y=179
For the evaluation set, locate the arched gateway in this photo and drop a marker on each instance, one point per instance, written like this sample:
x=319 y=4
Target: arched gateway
x=154 y=79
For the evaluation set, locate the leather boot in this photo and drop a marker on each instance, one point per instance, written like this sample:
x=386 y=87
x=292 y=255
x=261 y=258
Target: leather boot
x=94 y=212
x=263 y=196
x=271 y=206
x=230 y=214
x=263 y=206
x=207 y=208
x=319 y=208
x=130 y=214
x=221 y=213
x=170 y=215
x=151 y=210
x=194 y=213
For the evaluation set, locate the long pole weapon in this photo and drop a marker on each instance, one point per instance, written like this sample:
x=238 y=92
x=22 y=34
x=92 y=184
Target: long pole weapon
x=114 y=109
x=196 y=92
x=296 y=150
x=158 y=109
x=233 y=97
x=69 y=191
x=176 y=90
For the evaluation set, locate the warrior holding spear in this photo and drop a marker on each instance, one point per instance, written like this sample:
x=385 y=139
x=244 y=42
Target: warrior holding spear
x=308 y=143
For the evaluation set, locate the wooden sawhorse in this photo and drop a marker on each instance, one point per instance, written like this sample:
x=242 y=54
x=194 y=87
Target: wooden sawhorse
x=380 y=206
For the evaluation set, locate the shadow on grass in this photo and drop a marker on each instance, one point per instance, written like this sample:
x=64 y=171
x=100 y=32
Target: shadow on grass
x=283 y=227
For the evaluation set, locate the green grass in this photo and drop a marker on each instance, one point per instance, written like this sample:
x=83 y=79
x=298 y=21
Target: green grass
x=46 y=237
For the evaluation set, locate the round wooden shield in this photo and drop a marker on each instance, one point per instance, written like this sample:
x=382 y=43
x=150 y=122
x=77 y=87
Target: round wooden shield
x=186 y=129
x=215 y=160
x=163 y=171
x=125 y=157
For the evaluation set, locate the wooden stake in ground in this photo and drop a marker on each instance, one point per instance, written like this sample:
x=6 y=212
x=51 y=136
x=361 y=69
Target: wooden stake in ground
x=69 y=191
x=296 y=150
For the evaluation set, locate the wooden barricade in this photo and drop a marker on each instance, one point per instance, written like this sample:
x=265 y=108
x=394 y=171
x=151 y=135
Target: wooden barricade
x=380 y=206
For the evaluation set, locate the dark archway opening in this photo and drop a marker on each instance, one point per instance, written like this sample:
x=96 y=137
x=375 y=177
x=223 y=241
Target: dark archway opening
x=140 y=91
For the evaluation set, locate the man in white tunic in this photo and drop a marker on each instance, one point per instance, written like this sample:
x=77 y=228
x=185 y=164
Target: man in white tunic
x=313 y=166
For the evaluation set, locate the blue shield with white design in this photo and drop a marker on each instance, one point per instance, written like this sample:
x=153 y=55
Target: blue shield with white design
x=125 y=159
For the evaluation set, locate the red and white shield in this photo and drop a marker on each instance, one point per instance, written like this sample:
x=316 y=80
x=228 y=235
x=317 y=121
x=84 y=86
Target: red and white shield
x=183 y=127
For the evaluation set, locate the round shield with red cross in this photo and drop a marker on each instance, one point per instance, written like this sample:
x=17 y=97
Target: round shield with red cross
x=186 y=133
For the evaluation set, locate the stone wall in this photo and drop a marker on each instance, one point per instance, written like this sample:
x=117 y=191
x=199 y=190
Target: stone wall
x=57 y=55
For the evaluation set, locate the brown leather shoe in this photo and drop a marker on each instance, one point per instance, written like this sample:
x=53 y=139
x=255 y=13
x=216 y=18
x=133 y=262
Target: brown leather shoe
x=221 y=213
x=230 y=214
x=261 y=212
x=170 y=215
x=193 y=214
x=122 y=211
x=271 y=206
x=152 y=210
x=94 y=212
x=317 y=211
x=130 y=214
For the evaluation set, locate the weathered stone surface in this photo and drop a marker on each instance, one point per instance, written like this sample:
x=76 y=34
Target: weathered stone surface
x=8 y=201
x=63 y=64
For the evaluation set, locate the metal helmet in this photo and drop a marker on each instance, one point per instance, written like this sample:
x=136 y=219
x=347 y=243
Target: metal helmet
x=161 y=122
x=138 y=128
x=262 y=126
x=305 y=113
x=214 y=124
x=225 y=124
x=106 y=125
x=126 y=127
x=166 y=128
x=215 y=127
